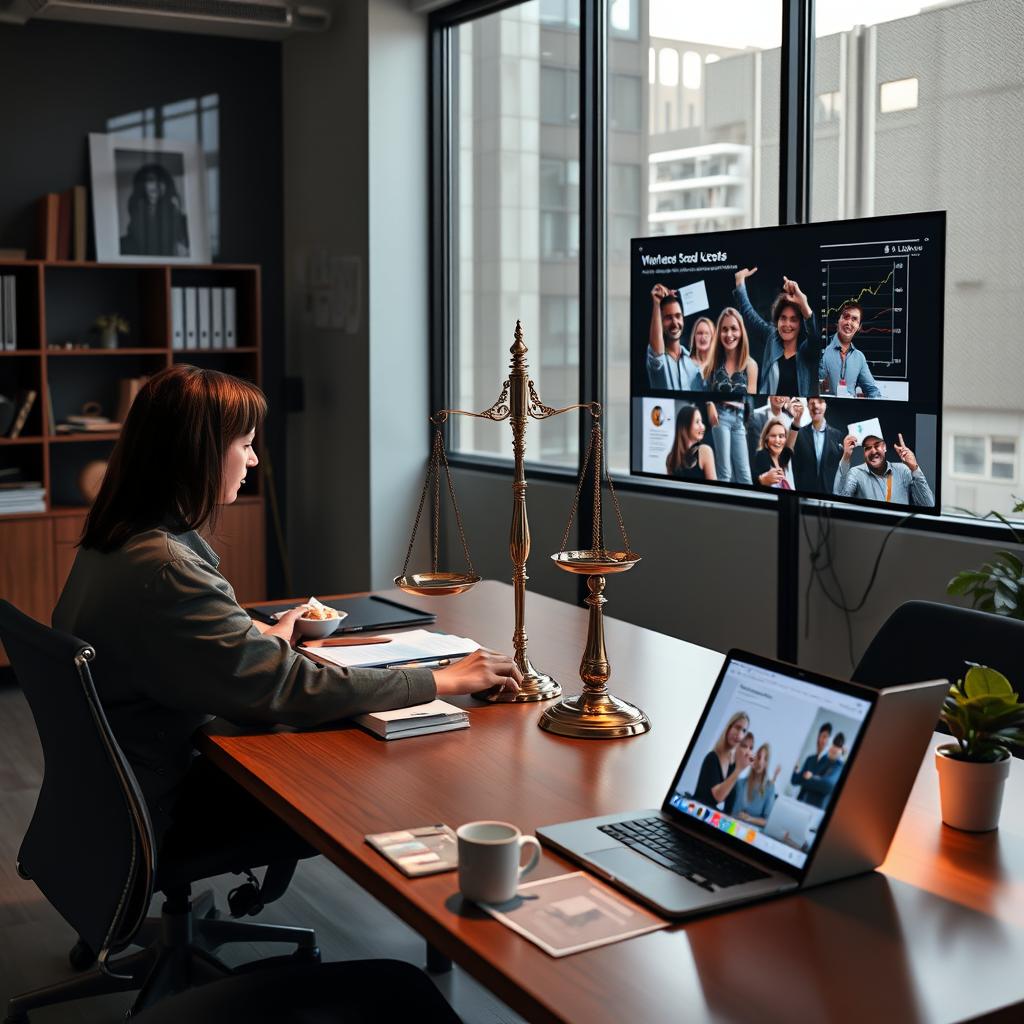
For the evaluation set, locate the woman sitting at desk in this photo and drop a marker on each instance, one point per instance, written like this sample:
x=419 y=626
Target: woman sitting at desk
x=755 y=794
x=173 y=646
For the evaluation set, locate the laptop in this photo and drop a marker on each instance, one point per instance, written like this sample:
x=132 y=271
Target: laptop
x=847 y=757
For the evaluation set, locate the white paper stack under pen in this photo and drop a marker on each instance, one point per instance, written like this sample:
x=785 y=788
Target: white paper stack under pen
x=19 y=498
x=418 y=720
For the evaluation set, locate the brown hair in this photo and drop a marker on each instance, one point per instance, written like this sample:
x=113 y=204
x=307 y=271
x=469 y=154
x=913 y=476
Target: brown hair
x=168 y=463
x=681 y=452
x=780 y=303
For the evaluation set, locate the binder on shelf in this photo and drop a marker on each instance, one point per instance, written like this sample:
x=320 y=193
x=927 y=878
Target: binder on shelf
x=10 y=301
x=217 y=317
x=230 y=323
x=177 y=317
x=203 y=306
x=191 y=326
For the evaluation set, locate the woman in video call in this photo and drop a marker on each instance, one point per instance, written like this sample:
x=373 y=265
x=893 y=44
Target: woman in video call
x=789 y=365
x=755 y=794
x=730 y=374
x=690 y=457
x=773 y=461
x=701 y=334
x=725 y=762
x=173 y=645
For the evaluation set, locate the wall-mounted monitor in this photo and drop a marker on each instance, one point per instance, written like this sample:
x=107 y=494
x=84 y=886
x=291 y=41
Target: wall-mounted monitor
x=805 y=358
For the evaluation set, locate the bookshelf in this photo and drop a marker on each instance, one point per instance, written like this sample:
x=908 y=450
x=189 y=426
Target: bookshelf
x=57 y=302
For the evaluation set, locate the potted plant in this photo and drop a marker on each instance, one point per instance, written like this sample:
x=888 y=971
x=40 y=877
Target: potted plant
x=110 y=325
x=997 y=586
x=986 y=718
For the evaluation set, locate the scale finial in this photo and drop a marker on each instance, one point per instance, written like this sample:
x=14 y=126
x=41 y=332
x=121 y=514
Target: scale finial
x=518 y=348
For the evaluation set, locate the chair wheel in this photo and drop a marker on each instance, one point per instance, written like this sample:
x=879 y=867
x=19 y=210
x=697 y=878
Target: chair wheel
x=81 y=956
x=307 y=955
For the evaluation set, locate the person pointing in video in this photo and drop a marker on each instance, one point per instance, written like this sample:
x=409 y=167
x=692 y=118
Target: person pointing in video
x=880 y=480
x=792 y=345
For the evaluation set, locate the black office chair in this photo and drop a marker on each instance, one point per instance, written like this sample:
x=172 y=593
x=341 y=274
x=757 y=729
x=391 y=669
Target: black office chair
x=928 y=640
x=90 y=846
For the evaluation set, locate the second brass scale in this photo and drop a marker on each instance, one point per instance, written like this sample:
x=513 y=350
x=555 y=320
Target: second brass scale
x=595 y=713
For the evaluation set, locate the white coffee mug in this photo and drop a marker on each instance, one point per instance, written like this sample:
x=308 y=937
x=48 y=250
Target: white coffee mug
x=489 y=856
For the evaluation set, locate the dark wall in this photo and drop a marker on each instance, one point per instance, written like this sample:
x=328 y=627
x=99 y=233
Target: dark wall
x=60 y=81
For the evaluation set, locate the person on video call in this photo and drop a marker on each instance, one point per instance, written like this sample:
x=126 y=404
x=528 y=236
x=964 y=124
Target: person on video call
x=777 y=407
x=789 y=365
x=669 y=365
x=877 y=479
x=816 y=789
x=701 y=333
x=730 y=374
x=755 y=794
x=817 y=449
x=844 y=370
x=173 y=645
x=725 y=762
x=773 y=460
x=690 y=457
x=814 y=765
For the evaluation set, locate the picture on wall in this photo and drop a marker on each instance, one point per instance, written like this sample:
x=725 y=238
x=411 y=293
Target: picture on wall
x=148 y=201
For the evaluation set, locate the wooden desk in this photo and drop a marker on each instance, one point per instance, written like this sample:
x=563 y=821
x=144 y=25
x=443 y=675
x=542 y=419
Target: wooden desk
x=937 y=936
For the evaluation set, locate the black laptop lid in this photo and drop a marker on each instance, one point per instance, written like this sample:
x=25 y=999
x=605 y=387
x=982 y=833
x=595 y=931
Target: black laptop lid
x=365 y=614
x=801 y=728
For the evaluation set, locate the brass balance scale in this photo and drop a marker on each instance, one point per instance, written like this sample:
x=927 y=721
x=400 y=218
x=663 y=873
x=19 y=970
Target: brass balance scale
x=595 y=713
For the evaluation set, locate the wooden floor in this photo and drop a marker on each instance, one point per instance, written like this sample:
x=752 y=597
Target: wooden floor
x=34 y=940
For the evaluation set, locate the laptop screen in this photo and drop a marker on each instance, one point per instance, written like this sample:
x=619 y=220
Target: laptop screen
x=769 y=754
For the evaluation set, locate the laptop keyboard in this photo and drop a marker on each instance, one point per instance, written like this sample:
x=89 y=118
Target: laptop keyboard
x=697 y=861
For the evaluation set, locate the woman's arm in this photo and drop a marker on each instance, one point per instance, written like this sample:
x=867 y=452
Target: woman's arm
x=751 y=376
x=706 y=461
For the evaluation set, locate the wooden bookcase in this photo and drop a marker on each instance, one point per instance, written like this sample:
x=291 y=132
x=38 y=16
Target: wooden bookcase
x=57 y=303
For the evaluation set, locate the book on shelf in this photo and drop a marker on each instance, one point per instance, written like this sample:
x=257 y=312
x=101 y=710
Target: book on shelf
x=8 y=312
x=13 y=254
x=47 y=216
x=22 y=496
x=79 y=222
x=88 y=425
x=177 y=317
x=418 y=720
x=64 y=219
x=26 y=401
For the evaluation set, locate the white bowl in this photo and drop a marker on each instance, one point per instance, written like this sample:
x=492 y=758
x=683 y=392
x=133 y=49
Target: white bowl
x=317 y=629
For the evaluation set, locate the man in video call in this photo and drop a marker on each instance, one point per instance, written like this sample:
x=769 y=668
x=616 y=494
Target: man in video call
x=669 y=365
x=815 y=778
x=844 y=369
x=880 y=480
x=817 y=449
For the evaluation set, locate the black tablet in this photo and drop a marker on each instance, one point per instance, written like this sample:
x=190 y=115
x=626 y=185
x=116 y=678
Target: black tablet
x=365 y=614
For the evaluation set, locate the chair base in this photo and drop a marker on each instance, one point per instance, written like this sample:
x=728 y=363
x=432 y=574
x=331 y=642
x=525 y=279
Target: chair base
x=179 y=955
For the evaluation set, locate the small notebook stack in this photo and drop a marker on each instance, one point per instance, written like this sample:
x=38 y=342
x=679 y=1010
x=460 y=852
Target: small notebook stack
x=21 y=497
x=418 y=720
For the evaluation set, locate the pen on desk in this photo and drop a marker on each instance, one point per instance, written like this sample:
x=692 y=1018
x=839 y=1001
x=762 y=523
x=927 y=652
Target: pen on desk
x=433 y=663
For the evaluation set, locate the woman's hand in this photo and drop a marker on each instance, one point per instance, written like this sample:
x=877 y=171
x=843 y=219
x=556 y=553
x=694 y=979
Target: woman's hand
x=743 y=274
x=775 y=774
x=744 y=759
x=772 y=477
x=285 y=627
x=478 y=671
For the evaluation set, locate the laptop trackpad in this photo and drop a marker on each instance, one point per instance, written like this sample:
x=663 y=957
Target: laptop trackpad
x=628 y=865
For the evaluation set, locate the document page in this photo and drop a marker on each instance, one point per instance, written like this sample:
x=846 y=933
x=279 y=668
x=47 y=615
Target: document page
x=412 y=645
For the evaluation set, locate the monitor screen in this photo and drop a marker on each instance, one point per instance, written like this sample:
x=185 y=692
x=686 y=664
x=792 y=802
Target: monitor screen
x=805 y=358
x=768 y=757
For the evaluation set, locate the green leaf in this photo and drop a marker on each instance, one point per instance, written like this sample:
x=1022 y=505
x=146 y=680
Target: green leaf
x=963 y=582
x=1013 y=561
x=982 y=681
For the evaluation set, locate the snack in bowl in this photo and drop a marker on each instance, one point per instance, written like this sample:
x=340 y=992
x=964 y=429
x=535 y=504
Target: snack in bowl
x=318 y=620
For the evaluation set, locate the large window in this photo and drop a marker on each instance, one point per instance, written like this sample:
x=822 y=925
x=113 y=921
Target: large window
x=515 y=197
x=708 y=157
x=918 y=122
x=902 y=115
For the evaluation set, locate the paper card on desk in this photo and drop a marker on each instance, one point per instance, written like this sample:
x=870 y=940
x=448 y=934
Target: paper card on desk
x=410 y=646
x=417 y=720
x=865 y=428
x=425 y=850
x=570 y=913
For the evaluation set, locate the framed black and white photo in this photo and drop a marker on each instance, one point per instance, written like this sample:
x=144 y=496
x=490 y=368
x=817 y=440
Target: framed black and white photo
x=148 y=200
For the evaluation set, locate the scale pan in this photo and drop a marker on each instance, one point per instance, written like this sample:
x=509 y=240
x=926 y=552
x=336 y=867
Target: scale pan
x=436 y=584
x=595 y=562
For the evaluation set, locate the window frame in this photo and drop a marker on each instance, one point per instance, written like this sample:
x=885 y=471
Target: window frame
x=797 y=101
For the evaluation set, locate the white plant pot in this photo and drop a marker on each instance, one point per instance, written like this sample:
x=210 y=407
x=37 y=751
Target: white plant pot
x=971 y=792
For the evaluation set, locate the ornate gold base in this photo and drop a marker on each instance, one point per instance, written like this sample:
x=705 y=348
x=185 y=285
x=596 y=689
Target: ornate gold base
x=597 y=717
x=536 y=686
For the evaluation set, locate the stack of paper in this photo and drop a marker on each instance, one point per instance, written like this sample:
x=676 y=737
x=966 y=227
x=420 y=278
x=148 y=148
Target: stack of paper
x=414 y=645
x=437 y=716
